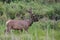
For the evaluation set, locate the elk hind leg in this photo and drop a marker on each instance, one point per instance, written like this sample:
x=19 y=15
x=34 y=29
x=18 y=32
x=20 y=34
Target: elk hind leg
x=8 y=29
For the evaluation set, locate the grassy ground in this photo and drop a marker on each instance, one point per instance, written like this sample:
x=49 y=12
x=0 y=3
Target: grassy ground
x=35 y=32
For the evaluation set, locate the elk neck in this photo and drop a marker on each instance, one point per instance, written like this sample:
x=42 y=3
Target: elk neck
x=31 y=18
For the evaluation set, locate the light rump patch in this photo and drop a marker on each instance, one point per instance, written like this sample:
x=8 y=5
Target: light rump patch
x=8 y=21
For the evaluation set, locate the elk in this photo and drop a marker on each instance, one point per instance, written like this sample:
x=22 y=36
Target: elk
x=20 y=24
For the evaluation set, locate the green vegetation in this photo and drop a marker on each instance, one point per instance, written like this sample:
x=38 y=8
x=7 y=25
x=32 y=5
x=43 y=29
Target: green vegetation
x=38 y=30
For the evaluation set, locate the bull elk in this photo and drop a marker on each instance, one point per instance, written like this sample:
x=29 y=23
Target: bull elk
x=20 y=24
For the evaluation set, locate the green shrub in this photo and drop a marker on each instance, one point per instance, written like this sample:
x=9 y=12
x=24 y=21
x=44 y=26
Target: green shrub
x=56 y=12
x=1 y=8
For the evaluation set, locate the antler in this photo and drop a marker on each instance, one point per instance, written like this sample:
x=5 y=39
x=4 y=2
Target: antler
x=30 y=10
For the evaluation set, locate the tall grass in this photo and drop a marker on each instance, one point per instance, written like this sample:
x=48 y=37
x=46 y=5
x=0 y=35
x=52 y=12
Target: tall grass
x=35 y=32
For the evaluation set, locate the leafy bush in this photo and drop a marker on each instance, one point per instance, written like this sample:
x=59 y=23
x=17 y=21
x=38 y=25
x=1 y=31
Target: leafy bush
x=56 y=11
x=1 y=8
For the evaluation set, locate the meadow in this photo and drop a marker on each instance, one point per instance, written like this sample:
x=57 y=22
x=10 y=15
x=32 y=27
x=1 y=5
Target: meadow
x=47 y=28
x=37 y=31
